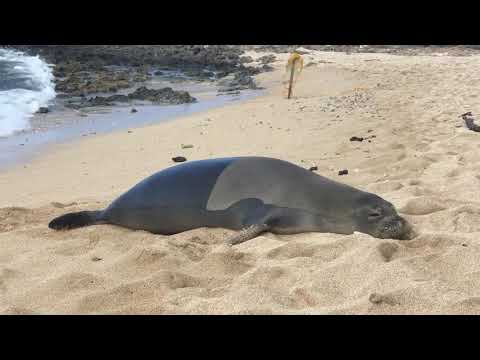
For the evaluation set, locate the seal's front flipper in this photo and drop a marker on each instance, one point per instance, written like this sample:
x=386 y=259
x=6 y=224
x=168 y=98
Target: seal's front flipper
x=248 y=234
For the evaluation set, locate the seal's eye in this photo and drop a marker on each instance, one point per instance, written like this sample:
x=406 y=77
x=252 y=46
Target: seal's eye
x=374 y=214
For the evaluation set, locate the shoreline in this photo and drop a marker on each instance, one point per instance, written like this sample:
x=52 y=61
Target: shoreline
x=23 y=147
x=87 y=95
x=422 y=158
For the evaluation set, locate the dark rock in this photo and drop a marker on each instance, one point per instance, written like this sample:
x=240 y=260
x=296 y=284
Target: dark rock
x=267 y=68
x=343 y=172
x=133 y=110
x=43 y=110
x=246 y=59
x=158 y=73
x=267 y=59
x=179 y=159
x=241 y=81
x=313 y=168
x=165 y=95
x=470 y=122
x=375 y=298
x=222 y=74
x=354 y=138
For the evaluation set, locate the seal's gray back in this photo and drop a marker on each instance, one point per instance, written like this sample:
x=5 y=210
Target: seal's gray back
x=279 y=183
x=187 y=185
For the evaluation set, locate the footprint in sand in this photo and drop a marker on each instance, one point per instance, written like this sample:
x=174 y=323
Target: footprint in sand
x=12 y=217
x=385 y=186
x=175 y=280
x=193 y=250
x=144 y=260
x=229 y=262
x=422 y=206
x=469 y=306
x=454 y=173
x=116 y=298
x=76 y=247
x=435 y=240
x=387 y=250
x=414 y=182
x=462 y=219
x=420 y=191
x=302 y=298
x=142 y=294
x=6 y=275
x=276 y=281
x=291 y=250
x=15 y=310
x=69 y=283
x=466 y=219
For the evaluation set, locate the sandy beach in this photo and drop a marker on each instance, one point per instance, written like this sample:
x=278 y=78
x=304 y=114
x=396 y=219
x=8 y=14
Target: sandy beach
x=420 y=156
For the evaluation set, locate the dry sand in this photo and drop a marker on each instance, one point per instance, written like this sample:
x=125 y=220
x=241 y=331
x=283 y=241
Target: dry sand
x=422 y=159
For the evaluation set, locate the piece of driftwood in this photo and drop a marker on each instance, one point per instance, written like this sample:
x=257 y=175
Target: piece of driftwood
x=470 y=121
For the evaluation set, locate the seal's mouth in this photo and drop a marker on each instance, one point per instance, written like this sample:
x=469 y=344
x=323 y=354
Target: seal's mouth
x=395 y=227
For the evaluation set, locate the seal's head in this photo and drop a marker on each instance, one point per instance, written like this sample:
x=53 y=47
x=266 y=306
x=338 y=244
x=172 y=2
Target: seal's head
x=379 y=218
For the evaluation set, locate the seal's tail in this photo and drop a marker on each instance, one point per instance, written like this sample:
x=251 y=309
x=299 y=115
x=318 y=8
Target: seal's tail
x=76 y=220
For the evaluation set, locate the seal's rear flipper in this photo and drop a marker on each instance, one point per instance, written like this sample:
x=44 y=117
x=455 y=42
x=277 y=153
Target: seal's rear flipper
x=76 y=220
x=248 y=234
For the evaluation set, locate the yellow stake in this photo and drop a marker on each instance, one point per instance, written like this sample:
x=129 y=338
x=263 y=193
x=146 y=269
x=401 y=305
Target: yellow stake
x=294 y=60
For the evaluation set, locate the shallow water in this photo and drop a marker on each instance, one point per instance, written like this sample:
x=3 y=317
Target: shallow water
x=26 y=84
x=66 y=125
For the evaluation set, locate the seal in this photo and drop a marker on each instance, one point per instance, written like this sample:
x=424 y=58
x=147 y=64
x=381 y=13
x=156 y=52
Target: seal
x=249 y=194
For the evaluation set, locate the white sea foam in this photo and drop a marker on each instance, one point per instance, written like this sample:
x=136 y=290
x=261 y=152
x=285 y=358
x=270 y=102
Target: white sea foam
x=26 y=84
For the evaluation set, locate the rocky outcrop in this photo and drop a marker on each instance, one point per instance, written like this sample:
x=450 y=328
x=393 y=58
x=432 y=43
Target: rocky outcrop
x=161 y=96
x=218 y=57
x=241 y=80
x=83 y=70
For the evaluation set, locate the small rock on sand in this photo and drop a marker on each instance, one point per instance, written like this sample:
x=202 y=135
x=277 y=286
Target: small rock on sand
x=187 y=146
x=179 y=159
x=343 y=172
x=376 y=298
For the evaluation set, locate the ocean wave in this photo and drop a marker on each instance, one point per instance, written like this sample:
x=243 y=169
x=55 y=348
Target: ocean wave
x=26 y=84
